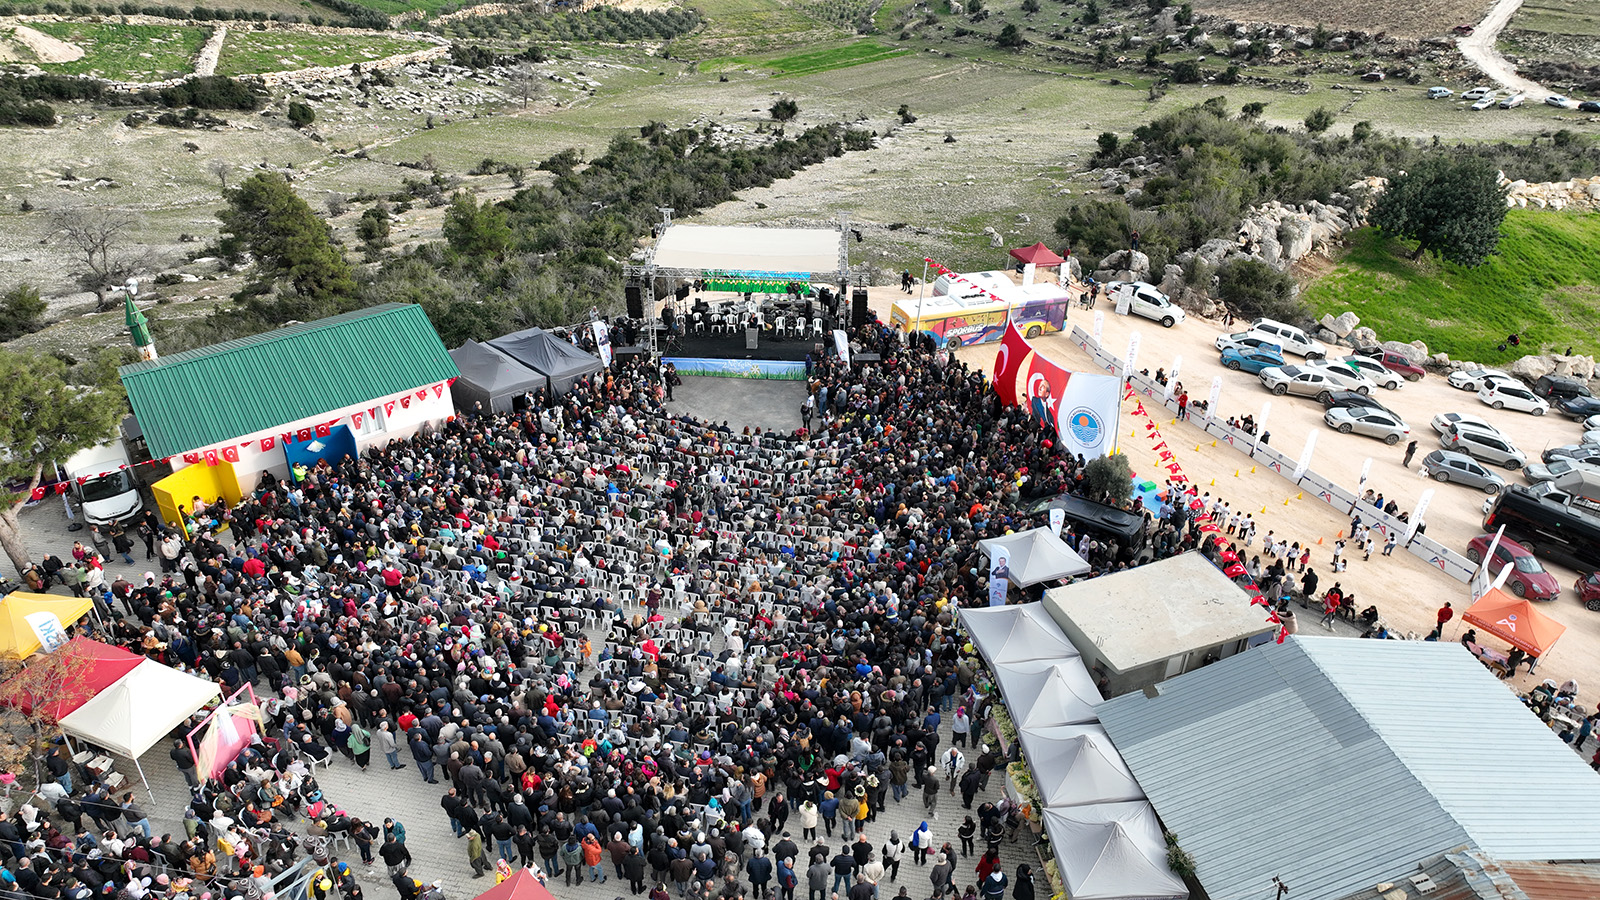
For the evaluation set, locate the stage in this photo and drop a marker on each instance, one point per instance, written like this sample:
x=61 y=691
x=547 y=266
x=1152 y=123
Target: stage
x=697 y=346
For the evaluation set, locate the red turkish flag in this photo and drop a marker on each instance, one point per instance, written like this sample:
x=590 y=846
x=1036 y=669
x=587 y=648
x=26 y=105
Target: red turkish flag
x=355 y=418
x=1014 y=350
x=61 y=487
x=450 y=381
x=191 y=458
x=211 y=457
x=388 y=408
x=422 y=394
x=37 y=493
x=323 y=431
x=303 y=434
x=231 y=454
x=405 y=402
x=438 y=391
x=246 y=443
x=267 y=443
x=1233 y=571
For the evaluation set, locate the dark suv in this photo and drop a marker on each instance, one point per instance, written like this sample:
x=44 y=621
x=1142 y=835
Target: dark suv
x=1558 y=387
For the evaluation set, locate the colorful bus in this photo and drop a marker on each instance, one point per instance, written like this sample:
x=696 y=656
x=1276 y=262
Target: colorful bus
x=956 y=322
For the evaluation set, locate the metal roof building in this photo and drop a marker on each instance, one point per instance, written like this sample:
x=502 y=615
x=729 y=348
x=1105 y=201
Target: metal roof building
x=1339 y=764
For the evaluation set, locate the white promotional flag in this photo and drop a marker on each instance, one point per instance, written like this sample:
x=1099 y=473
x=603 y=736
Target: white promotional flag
x=1086 y=417
x=1261 y=425
x=1172 y=378
x=1416 y=514
x=1099 y=326
x=1211 y=404
x=1058 y=518
x=48 y=629
x=841 y=343
x=1131 y=361
x=602 y=339
x=999 y=576
x=1305 y=457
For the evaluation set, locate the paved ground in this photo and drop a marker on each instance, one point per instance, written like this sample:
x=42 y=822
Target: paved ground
x=741 y=402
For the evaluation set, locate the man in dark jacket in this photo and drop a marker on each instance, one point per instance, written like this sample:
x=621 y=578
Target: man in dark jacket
x=759 y=868
x=633 y=867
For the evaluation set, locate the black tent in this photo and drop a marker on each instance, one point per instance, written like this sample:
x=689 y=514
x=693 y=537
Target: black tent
x=560 y=362
x=491 y=378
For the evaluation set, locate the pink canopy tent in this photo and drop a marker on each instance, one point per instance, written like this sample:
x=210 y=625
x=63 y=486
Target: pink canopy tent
x=103 y=665
x=522 y=885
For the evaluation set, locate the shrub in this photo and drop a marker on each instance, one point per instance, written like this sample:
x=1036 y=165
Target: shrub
x=1253 y=288
x=1011 y=37
x=785 y=110
x=1186 y=71
x=1319 y=120
x=21 y=311
x=301 y=114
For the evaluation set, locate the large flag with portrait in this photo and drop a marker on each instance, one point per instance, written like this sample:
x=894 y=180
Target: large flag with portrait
x=1081 y=407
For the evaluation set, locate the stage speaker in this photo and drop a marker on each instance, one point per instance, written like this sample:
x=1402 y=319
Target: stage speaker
x=683 y=292
x=635 y=295
x=858 y=308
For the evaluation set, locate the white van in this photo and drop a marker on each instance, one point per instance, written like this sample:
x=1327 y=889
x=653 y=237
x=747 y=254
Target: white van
x=102 y=479
x=1290 y=338
x=1144 y=299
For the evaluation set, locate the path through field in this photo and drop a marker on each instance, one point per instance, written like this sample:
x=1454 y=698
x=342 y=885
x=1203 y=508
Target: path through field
x=45 y=47
x=1479 y=47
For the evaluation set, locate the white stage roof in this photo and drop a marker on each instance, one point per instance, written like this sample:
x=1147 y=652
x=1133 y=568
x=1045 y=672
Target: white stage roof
x=749 y=249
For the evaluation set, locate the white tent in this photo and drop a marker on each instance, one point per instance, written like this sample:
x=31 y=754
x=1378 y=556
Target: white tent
x=1112 y=851
x=139 y=709
x=1017 y=633
x=1048 y=692
x=1074 y=765
x=1037 y=555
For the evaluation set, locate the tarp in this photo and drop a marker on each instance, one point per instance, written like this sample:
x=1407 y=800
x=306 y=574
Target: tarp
x=18 y=639
x=1048 y=692
x=522 y=885
x=1038 y=254
x=339 y=443
x=750 y=249
x=1037 y=555
x=1075 y=765
x=558 y=361
x=1514 y=621
x=93 y=666
x=1008 y=634
x=491 y=378
x=132 y=715
x=1112 y=851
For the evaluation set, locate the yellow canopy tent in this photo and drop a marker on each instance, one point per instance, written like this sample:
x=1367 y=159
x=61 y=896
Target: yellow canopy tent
x=19 y=639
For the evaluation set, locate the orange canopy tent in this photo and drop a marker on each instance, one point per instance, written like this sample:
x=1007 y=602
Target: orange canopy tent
x=1038 y=254
x=520 y=886
x=1514 y=621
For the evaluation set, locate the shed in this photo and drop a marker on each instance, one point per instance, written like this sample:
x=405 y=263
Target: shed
x=1167 y=617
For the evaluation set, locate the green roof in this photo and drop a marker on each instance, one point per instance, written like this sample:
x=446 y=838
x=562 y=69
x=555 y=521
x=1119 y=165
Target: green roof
x=199 y=398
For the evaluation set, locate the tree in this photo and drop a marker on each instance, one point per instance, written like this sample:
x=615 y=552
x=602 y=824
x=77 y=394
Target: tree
x=1030 y=6
x=1091 y=14
x=45 y=419
x=525 y=84
x=36 y=685
x=1186 y=71
x=97 y=236
x=1451 y=207
x=289 y=241
x=1361 y=131
x=1109 y=479
x=785 y=109
x=21 y=308
x=1252 y=110
x=373 y=226
x=221 y=168
x=301 y=114
x=1254 y=288
x=1319 y=120
x=1011 y=37
x=478 y=232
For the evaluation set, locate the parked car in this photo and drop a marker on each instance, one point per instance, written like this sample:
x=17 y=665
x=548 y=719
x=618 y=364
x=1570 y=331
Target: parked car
x=1588 y=588
x=1298 y=381
x=1512 y=396
x=1368 y=422
x=1289 y=338
x=1372 y=76
x=1589 y=106
x=1252 y=361
x=1346 y=377
x=1513 y=101
x=1464 y=30
x=1528 y=579
x=1490 y=447
x=1559 y=387
x=1443 y=422
x=1249 y=340
x=1477 y=93
x=1145 y=300
x=1588 y=454
x=1591 y=423
x=1474 y=379
x=1408 y=370
x=1557 y=101
x=1484 y=103
x=1450 y=466
x=1353 y=400
x=1581 y=409
x=1555 y=468
x=1374 y=371
x=1440 y=93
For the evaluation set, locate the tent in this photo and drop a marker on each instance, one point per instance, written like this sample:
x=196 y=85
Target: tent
x=1074 y=765
x=1006 y=634
x=558 y=361
x=19 y=637
x=522 y=885
x=1037 y=555
x=490 y=377
x=1038 y=254
x=1048 y=692
x=1514 y=621
x=93 y=667
x=1112 y=851
x=140 y=709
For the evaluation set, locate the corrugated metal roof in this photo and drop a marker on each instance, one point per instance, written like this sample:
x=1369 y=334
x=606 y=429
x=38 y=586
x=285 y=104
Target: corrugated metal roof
x=1544 y=881
x=199 y=398
x=1339 y=763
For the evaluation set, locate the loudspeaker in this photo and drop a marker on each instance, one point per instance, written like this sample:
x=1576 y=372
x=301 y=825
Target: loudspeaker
x=683 y=292
x=635 y=296
x=858 y=308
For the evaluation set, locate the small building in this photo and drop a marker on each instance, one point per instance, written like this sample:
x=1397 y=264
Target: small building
x=222 y=415
x=1152 y=622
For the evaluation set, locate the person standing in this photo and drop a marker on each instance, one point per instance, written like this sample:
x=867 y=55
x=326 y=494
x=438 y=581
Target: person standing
x=1411 y=450
x=185 y=761
x=1183 y=405
x=384 y=739
x=475 y=856
x=1443 y=616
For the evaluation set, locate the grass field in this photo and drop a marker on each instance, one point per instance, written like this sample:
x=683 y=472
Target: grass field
x=812 y=61
x=1563 y=17
x=249 y=52
x=753 y=26
x=127 y=52
x=1542 y=285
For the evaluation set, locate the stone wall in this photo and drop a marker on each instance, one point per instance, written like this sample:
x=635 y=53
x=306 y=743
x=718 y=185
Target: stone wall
x=1579 y=193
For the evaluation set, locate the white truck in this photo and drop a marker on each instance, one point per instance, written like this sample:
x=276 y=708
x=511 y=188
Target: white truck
x=102 y=479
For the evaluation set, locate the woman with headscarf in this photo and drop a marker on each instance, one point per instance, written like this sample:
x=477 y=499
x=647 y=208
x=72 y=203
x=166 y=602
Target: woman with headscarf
x=1022 y=888
x=921 y=843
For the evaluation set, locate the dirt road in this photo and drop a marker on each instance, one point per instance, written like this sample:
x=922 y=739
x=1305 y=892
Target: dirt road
x=1479 y=49
x=45 y=47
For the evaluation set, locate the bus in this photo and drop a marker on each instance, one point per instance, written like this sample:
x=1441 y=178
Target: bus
x=960 y=322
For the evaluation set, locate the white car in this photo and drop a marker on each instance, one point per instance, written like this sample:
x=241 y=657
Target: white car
x=1477 y=93
x=1513 y=101
x=1345 y=377
x=1248 y=340
x=1484 y=102
x=1374 y=371
x=1289 y=338
x=1298 y=380
x=1512 y=396
x=1591 y=424
x=1474 y=379
x=1145 y=300
x=1443 y=422
x=1558 y=101
x=1439 y=93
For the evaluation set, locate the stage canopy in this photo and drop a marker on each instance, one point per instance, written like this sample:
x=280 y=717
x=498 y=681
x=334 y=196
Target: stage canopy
x=558 y=361
x=17 y=637
x=1514 y=621
x=520 y=886
x=1075 y=765
x=1112 y=851
x=93 y=667
x=490 y=377
x=1037 y=555
x=1048 y=692
x=747 y=250
x=132 y=715
x=1038 y=254
x=1007 y=634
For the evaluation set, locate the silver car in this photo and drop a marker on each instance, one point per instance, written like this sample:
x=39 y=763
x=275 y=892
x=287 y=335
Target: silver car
x=1554 y=469
x=1490 y=447
x=1447 y=465
x=1300 y=381
x=1366 y=421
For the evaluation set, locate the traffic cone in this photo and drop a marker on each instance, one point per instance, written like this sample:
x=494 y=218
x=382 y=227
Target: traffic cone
x=1213 y=443
x=1236 y=473
x=1197 y=448
x=1252 y=470
x=1338 y=536
x=1319 y=542
x=1174 y=420
x=1286 y=500
x=1213 y=482
x=1300 y=496
x=1263 y=510
x=1133 y=432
